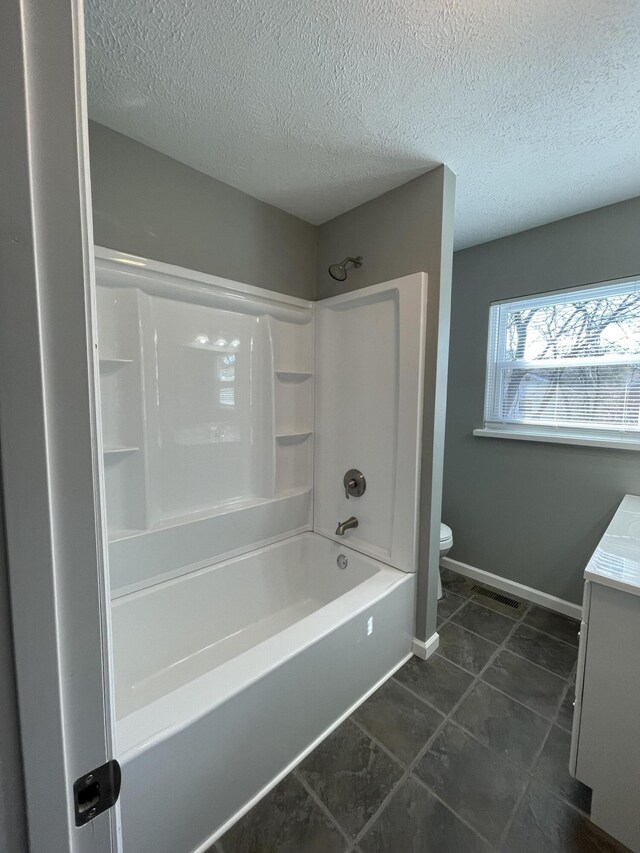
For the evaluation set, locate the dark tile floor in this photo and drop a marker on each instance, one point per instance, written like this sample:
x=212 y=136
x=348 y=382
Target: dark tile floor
x=464 y=753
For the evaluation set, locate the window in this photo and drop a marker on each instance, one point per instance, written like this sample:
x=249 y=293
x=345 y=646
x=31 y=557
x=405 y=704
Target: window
x=566 y=366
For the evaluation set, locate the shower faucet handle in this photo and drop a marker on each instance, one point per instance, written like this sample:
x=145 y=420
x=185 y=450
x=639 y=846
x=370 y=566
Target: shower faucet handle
x=354 y=483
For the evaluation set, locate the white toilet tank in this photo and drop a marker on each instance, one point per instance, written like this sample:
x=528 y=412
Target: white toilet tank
x=446 y=539
x=446 y=542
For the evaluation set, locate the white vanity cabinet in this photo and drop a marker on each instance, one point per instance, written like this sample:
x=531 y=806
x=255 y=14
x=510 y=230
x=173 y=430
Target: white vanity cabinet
x=605 y=752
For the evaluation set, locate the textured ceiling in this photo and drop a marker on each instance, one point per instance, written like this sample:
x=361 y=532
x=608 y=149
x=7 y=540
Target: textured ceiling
x=319 y=105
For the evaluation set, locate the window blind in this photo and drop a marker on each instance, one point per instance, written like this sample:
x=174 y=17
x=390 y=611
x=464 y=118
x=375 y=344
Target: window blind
x=566 y=361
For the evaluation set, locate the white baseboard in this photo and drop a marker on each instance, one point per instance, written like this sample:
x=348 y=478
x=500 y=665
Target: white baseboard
x=424 y=650
x=528 y=593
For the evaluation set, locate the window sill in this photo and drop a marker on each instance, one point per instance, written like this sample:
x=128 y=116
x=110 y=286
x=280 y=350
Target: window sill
x=562 y=438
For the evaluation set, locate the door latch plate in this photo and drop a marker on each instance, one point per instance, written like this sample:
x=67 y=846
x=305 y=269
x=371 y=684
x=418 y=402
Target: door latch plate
x=97 y=791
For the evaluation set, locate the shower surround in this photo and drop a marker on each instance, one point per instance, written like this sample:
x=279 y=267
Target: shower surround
x=243 y=628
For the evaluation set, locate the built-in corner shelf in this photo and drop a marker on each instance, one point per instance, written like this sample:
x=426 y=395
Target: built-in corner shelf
x=115 y=452
x=294 y=491
x=293 y=375
x=113 y=363
x=294 y=436
x=117 y=535
x=293 y=399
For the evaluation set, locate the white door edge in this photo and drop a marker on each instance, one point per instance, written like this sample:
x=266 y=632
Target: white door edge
x=50 y=440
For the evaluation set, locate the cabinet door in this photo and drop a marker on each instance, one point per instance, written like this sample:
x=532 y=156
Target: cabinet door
x=582 y=656
x=608 y=752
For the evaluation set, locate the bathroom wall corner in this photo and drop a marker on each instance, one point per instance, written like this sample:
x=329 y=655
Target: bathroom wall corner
x=434 y=409
x=408 y=230
x=149 y=204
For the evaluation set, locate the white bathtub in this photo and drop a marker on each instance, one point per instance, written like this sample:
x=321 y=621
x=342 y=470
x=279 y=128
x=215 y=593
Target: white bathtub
x=226 y=677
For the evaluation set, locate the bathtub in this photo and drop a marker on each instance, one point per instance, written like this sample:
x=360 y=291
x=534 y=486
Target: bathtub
x=227 y=677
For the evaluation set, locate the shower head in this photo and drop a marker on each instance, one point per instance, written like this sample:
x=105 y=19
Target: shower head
x=339 y=271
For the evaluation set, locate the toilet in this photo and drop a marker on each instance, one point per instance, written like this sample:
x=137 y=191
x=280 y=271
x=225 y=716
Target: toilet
x=446 y=542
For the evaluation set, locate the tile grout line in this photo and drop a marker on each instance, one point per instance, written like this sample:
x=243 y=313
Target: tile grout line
x=476 y=679
x=479 y=636
x=499 y=648
x=551 y=636
x=458 y=817
x=408 y=768
x=562 y=643
x=511 y=651
x=449 y=619
x=555 y=793
x=421 y=698
x=491 y=749
x=551 y=722
x=493 y=658
x=474 y=683
x=354 y=840
x=528 y=606
x=379 y=743
x=504 y=834
x=407 y=773
x=518 y=702
x=411 y=765
x=456 y=610
x=507 y=828
x=479 y=678
x=520 y=622
x=374 y=817
x=324 y=808
x=449 y=718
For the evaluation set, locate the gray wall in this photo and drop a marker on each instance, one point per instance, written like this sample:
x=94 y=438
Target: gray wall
x=407 y=230
x=527 y=511
x=152 y=205
x=14 y=209
x=13 y=837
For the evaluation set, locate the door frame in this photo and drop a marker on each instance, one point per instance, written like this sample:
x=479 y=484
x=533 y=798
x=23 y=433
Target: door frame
x=51 y=442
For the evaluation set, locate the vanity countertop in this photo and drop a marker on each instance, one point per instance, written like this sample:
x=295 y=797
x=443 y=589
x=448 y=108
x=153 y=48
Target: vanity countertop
x=616 y=560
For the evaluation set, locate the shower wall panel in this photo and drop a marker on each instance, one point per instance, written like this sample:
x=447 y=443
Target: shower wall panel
x=207 y=417
x=368 y=411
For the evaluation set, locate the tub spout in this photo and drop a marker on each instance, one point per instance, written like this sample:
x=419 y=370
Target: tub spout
x=346 y=525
